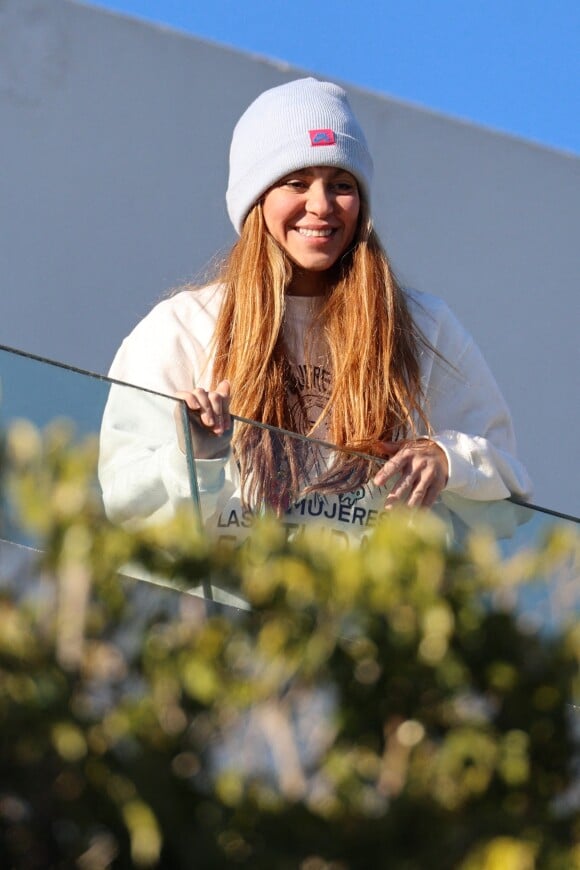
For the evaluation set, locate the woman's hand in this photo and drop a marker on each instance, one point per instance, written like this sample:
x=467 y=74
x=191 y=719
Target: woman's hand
x=421 y=468
x=210 y=423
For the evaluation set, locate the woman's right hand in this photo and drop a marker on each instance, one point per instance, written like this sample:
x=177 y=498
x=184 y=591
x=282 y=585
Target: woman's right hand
x=210 y=423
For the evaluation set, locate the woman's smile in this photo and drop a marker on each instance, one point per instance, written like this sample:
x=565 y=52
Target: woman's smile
x=313 y=214
x=314 y=233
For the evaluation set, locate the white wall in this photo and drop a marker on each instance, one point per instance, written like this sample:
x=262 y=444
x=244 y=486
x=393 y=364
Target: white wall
x=113 y=164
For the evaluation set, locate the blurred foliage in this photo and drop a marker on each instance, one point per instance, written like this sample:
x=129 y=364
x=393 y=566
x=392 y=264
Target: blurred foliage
x=378 y=708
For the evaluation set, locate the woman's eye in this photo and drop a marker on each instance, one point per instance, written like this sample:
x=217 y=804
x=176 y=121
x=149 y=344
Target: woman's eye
x=344 y=186
x=295 y=184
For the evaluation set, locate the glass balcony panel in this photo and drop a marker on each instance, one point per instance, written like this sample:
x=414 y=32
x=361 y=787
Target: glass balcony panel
x=154 y=458
x=309 y=483
x=43 y=393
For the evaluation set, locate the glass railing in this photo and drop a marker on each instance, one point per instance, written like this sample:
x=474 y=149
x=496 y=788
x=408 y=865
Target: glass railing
x=144 y=475
x=42 y=393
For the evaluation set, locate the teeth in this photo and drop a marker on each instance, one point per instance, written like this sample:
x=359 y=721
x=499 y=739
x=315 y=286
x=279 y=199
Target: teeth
x=314 y=233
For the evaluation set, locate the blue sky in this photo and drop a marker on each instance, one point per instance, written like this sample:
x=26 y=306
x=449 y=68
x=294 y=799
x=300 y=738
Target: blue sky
x=512 y=65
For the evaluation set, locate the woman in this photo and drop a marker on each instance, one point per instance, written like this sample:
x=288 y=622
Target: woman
x=305 y=329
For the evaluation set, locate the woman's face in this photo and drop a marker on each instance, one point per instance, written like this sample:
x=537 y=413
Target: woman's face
x=313 y=215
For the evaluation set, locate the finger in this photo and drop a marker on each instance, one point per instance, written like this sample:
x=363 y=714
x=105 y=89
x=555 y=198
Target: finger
x=386 y=472
x=403 y=492
x=414 y=496
x=219 y=412
x=428 y=485
x=425 y=496
x=414 y=483
x=432 y=495
x=403 y=487
x=189 y=399
x=223 y=389
x=206 y=407
x=390 y=468
x=200 y=405
x=418 y=495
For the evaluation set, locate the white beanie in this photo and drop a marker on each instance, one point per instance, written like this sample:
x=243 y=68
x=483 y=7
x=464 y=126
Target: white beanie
x=299 y=124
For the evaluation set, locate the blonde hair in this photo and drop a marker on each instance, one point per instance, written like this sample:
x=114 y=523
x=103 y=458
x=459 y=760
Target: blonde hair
x=376 y=392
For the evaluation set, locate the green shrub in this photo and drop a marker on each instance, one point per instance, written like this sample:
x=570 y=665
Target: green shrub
x=373 y=709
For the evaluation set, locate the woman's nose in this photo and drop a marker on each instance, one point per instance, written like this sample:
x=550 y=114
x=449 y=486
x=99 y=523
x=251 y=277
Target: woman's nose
x=319 y=199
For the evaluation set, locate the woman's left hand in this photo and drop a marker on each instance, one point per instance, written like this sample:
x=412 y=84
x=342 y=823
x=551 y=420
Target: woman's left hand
x=421 y=468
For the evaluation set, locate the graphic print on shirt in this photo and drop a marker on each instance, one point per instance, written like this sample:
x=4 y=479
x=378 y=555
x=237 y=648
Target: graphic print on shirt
x=349 y=498
x=356 y=511
x=309 y=390
x=343 y=507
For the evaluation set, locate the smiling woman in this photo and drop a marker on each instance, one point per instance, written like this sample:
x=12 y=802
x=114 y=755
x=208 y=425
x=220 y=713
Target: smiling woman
x=305 y=328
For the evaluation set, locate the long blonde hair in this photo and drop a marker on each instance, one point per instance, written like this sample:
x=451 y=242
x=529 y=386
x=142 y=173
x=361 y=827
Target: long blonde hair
x=373 y=348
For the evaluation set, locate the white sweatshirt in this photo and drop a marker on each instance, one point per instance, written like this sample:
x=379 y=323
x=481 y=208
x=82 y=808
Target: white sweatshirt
x=144 y=474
